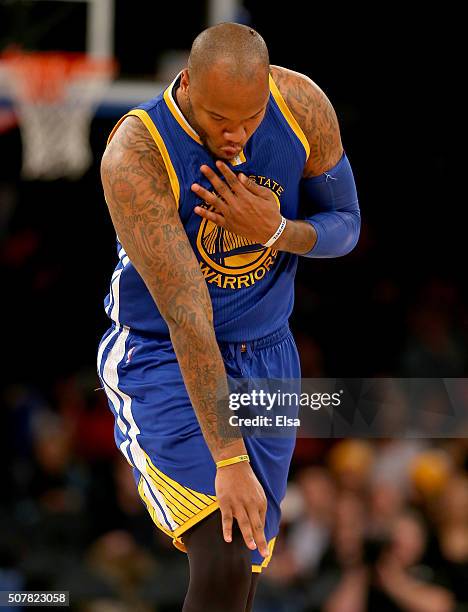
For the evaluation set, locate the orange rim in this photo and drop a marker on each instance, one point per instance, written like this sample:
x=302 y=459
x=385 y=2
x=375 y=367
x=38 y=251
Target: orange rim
x=45 y=75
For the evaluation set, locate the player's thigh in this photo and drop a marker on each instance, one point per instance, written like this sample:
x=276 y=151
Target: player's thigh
x=214 y=562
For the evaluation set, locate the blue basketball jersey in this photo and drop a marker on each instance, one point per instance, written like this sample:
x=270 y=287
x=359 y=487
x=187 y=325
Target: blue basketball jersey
x=251 y=286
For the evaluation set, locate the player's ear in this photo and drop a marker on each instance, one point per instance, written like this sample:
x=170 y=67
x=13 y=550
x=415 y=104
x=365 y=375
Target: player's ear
x=184 y=80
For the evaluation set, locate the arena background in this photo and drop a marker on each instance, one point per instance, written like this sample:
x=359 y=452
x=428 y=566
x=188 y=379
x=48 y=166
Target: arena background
x=368 y=524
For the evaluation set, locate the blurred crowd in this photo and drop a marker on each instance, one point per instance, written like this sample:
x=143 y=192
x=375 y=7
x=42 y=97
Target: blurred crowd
x=375 y=526
x=379 y=526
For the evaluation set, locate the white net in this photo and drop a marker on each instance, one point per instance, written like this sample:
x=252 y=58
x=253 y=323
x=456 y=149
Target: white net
x=55 y=97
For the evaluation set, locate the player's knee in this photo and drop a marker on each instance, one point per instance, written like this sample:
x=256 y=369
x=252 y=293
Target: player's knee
x=233 y=564
x=222 y=580
x=228 y=565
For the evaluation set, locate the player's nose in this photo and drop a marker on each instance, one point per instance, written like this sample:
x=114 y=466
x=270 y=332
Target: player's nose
x=235 y=136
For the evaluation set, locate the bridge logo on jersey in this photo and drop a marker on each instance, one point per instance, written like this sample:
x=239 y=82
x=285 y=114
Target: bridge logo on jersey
x=231 y=261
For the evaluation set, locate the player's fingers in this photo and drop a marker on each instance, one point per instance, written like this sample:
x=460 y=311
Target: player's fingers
x=246 y=528
x=210 y=215
x=209 y=197
x=220 y=186
x=263 y=511
x=257 y=522
x=226 y=520
x=252 y=186
x=231 y=178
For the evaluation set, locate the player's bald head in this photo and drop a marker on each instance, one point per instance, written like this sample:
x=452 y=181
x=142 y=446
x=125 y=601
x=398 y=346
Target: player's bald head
x=236 y=50
x=225 y=91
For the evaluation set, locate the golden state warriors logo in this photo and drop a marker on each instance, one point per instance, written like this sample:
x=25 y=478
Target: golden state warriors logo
x=231 y=261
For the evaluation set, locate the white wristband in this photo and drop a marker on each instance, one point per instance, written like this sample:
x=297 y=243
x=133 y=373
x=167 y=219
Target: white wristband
x=277 y=234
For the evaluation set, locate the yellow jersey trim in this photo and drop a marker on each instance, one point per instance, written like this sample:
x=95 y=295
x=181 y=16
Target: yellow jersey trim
x=191 y=522
x=178 y=510
x=177 y=116
x=115 y=128
x=189 y=498
x=153 y=130
x=296 y=128
x=207 y=499
x=173 y=500
x=258 y=568
x=239 y=159
x=173 y=495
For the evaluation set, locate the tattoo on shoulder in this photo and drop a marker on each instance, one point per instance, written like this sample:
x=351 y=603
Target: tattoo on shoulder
x=316 y=116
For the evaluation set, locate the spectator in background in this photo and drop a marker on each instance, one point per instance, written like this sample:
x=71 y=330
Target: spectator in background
x=392 y=458
x=358 y=575
x=452 y=533
x=351 y=462
x=340 y=582
x=403 y=580
x=429 y=472
x=385 y=502
x=310 y=534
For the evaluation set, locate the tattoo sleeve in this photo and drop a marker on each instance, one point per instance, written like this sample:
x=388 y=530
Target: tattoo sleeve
x=315 y=114
x=145 y=217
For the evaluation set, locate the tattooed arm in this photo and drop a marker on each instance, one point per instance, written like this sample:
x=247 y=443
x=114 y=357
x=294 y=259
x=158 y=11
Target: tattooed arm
x=145 y=216
x=315 y=114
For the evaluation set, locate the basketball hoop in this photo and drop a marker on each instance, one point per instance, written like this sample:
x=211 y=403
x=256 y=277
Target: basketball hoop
x=54 y=96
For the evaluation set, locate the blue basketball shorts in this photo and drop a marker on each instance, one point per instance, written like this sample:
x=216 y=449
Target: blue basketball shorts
x=157 y=430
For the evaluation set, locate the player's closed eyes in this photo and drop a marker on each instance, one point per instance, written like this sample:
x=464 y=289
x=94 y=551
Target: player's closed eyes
x=217 y=118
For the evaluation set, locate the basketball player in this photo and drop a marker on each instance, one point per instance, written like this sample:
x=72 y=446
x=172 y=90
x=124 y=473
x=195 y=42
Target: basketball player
x=214 y=188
